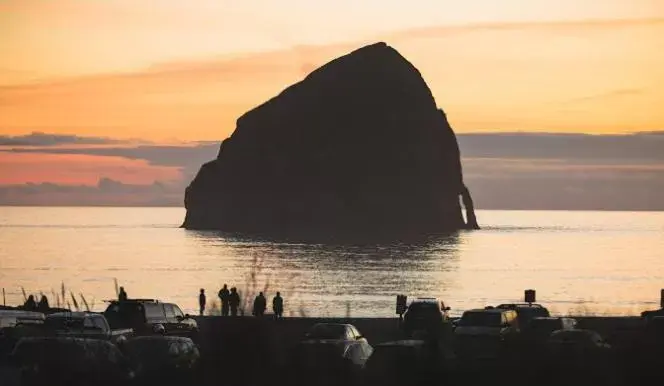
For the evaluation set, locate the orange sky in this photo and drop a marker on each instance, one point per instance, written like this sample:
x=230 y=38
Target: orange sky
x=167 y=69
x=176 y=70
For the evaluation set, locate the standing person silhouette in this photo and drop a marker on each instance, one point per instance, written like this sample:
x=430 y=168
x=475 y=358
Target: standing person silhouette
x=234 y=301
x=122 y=295
x=43 y=306
x=224 y=296
x=202 y=301
x=30 y=304
x=278 y=306
x=259 y=305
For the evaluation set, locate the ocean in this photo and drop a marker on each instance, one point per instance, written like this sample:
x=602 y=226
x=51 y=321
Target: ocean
x=578 y=262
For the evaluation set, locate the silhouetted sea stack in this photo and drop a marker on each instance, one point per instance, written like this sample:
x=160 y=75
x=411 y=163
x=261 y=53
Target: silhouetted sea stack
x=358 y=146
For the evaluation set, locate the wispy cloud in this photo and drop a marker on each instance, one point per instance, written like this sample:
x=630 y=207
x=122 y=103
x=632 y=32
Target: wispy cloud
x=45 y=139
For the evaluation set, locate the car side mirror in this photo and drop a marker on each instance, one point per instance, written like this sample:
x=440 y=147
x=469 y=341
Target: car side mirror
x=358 y=337
x=446 y=308
x=187 y=316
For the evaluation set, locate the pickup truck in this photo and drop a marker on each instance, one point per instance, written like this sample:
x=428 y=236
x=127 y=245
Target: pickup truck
x=84 y=325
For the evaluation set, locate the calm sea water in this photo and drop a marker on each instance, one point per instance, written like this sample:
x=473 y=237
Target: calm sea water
x=579 y=262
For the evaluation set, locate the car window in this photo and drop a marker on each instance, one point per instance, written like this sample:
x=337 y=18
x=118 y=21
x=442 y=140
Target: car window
x=177 y=311
x=170 y=314
x=480 y=319
x=88 y=323
x=349 y=334
x=511 y=318
x=154 y=311
x=424 y=308
x=99 y=323
x=125 y=315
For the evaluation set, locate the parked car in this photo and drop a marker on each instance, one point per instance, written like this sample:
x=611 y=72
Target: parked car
x=334 y=331
x=426 y=314
x=148 y=316
x=578 y=340
x=329 y=361
x=84 y=325
x=70 y=361
x=526 y=311
x=540 y=328
x=583 y=353
x=403 y=362
x=482 y=333
x=162 y=359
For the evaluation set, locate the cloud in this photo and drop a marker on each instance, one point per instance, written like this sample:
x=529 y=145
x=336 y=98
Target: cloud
x=107 y=192
x=620 y=148
x=43 y=139
x=503 y=171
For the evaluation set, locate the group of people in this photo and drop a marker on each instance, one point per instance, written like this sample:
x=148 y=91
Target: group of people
x=31 y=305
x=230 y=303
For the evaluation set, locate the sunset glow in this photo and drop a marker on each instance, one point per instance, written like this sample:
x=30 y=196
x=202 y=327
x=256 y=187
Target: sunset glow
x=173 y=70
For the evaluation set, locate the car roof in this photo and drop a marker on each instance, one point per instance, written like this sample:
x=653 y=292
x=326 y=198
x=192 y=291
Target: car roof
x=172 y=338
x=21 y=314
x=134 y=301
x=62 y=339
x=73 y=315
x=488 y=310
x=332 y=324
x=519 y=305
x=425 y=300
x=402 y=343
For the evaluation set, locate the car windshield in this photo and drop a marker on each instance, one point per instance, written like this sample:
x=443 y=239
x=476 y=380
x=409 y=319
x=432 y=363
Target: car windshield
x=328 y=331
x=480 y=319
x=63 y=323
x=125 y=315
x=424 y=308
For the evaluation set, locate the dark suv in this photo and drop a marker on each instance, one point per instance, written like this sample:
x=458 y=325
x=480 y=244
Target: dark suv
x=147 y=316
x=427 y=314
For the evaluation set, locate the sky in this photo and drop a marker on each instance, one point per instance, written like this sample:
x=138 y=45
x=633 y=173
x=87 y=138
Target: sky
x=160 y=76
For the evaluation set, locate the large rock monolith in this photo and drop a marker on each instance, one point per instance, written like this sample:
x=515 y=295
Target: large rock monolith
x=358 y=146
